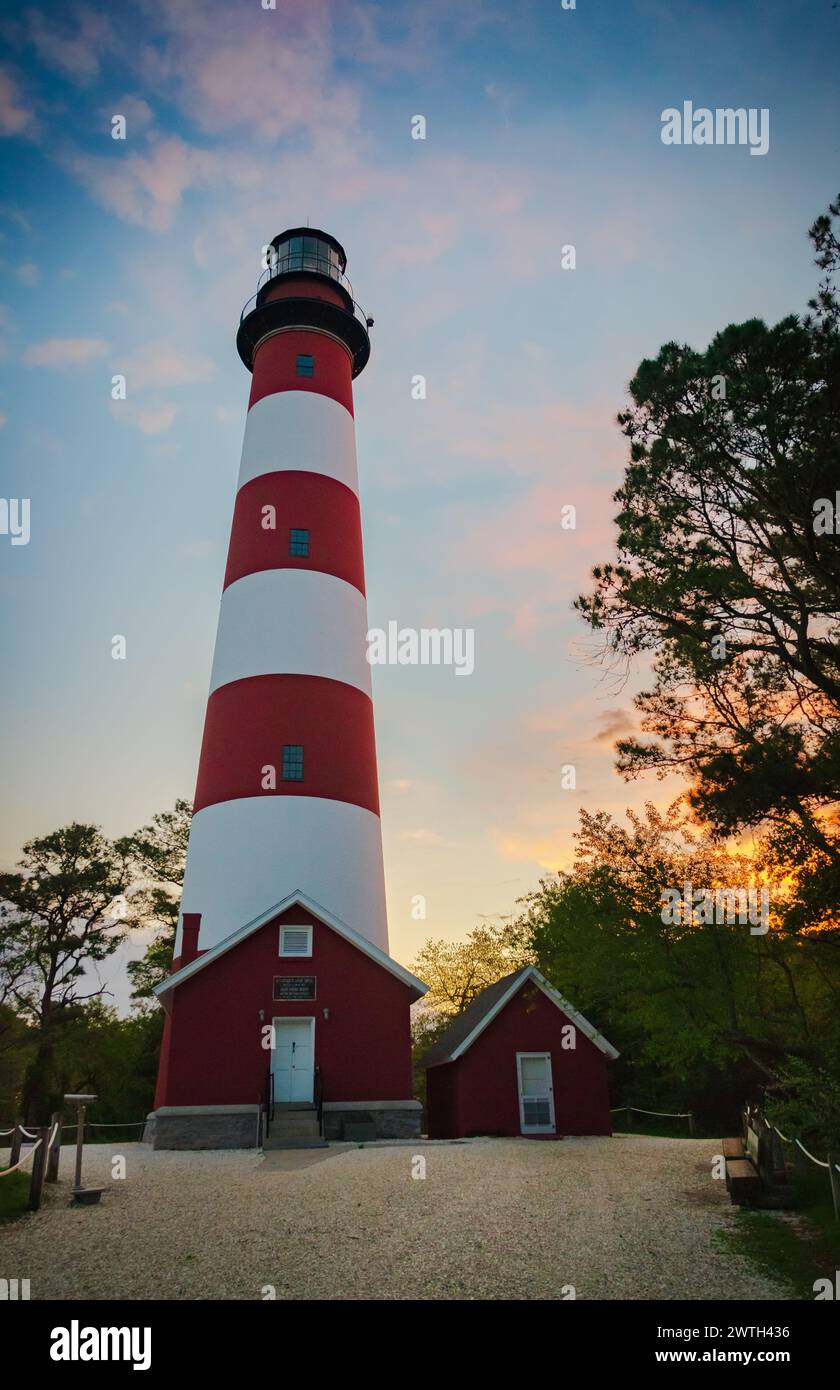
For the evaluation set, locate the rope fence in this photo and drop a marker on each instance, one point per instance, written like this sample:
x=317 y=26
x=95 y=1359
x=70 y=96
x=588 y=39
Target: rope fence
x=44 y=1155
x=754 y=1119
x=629 y=1110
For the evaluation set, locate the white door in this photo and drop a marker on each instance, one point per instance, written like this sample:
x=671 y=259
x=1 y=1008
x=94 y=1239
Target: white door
x=292 y=1060
x=536 y=1095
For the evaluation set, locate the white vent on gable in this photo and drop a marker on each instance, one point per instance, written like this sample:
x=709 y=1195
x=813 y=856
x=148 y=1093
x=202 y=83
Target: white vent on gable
x=296 y=941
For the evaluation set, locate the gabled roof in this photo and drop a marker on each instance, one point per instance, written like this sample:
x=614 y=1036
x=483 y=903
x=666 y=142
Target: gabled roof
x=467 y=1026
x=296 y=899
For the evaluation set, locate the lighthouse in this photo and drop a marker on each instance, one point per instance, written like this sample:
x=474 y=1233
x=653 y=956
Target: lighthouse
x=286 y=1019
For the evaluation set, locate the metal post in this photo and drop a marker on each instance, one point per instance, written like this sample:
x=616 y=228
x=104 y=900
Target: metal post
x=80 y=1143
x=80 y=1101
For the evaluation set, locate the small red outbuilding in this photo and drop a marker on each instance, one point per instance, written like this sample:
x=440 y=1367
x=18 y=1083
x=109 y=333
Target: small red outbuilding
x=519 y=1060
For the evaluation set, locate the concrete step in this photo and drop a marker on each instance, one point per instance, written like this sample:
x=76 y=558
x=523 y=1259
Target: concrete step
x=280 y=1129
x=274 y=1142
x=291 y=1122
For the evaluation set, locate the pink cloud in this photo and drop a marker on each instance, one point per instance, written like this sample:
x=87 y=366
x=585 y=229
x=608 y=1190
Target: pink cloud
x=65 y=352
x=15 y=119
x=165 y=364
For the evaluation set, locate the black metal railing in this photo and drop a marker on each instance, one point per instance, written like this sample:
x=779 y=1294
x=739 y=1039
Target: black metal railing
x=293 y=264
x=269 y=1100
x=319 y=1100
x=271 y=272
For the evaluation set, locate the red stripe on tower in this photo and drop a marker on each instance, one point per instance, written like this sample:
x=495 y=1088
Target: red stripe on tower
x=287 y=796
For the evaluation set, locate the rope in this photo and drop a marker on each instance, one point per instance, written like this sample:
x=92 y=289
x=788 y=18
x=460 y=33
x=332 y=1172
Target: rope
x=33 y=1135
x=25 y=1159
x=799 y=1145
x=668 y=1114
x=818 y=1161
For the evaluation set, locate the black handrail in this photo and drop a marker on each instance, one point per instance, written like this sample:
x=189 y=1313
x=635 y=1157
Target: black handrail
x=319 y=1100
x=269 y=1099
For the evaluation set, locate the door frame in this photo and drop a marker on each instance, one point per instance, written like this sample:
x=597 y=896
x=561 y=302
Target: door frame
x=282 y=1019
x=551 y=1127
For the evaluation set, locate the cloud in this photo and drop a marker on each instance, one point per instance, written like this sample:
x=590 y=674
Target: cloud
x=145 y=189
x=153 y=417
x=165 y=364
x=3 y=419
x=613 y=724
x=15 y=119
x=546 y=851
x=137 y=112
x=65 y=352
x=423 y=836
x=28 y=273
x=74 y=51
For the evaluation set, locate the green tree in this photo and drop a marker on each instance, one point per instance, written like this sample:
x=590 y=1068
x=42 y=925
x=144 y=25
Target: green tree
x=725 y=576
x=159 y=853
x=683 y=1000
x=59 y=917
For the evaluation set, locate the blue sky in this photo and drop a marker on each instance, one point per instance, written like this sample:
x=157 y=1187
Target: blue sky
x=136 y=256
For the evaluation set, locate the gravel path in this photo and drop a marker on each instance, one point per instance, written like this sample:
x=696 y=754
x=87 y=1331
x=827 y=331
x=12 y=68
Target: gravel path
x=629 y=1217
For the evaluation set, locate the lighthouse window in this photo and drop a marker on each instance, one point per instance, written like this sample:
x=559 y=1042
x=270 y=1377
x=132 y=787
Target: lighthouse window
x=305 y=364
x=298 y=542
x=292 y=762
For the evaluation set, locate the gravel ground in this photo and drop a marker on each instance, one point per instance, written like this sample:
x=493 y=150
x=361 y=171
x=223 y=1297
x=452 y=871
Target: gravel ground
x=629 y=1217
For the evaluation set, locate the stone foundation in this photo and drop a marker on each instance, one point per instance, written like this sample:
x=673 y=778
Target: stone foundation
x=374 y=1119
x=203 y=1127
x=236 y=1126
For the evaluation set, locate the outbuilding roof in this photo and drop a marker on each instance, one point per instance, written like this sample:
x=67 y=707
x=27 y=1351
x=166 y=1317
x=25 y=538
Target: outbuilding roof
x=467 y=1026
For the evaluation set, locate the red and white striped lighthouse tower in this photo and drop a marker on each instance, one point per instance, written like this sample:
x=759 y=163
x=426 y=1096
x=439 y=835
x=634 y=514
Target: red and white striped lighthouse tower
x=287 y=797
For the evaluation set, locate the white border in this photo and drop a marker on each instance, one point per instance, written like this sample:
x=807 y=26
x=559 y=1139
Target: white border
x=296 y=899
x=295 y=955
x=551 y=1127
x=293 y=1018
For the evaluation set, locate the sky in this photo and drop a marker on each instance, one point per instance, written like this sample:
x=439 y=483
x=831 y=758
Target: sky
x=542 y=131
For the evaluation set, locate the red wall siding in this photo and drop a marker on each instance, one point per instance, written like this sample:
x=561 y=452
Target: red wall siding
x=215 y=1055
x=478 y=1094
x=327 y=509
x=275 y=366
x=249 y=720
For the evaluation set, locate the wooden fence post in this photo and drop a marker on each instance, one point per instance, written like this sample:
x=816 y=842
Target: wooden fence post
x=17 y=1140
x=55 y=1152
x=834 y=1176
x=801 y=1166
x=39 y=1165
x=690 y=1123
x=629 y=1110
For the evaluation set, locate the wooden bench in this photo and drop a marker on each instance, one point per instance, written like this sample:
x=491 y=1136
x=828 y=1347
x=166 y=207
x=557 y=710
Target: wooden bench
x=743 y=1182
x=733 y=1148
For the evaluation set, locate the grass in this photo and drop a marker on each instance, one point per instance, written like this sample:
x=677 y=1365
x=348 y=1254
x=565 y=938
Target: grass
x=14 y=1195
x=798 y=1247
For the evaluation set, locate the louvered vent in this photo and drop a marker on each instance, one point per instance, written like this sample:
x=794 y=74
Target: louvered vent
x=296 y=941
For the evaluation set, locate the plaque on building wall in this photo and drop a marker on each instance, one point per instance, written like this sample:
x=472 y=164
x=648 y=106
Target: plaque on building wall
x=294 y=986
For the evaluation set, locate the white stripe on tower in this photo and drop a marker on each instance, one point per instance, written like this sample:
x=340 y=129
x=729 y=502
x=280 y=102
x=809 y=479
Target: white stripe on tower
x=290 y=665
x=299 y=430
